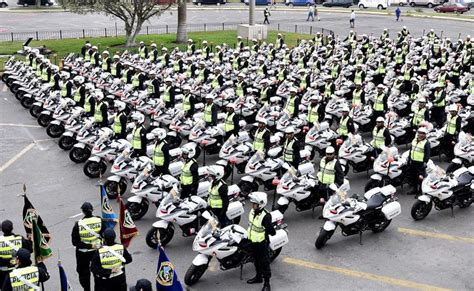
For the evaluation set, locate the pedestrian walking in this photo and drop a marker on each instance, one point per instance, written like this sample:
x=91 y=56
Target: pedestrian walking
x=352 y=19
x=310 y=13
x=398 y=12
x=266 y=13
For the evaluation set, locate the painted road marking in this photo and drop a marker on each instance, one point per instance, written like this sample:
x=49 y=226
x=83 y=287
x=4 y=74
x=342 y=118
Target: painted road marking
x=4 y=89
x=20 y=125
x=415 y=232
x=362 y=275
x=15 y=158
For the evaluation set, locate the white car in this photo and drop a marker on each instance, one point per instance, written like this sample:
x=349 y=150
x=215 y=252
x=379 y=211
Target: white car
x=379 y=4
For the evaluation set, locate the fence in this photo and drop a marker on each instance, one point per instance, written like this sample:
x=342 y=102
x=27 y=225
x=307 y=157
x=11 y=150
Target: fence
x=162 y=29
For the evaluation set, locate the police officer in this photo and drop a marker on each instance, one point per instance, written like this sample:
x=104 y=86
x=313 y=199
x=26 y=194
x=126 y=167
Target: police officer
x=189 y=174
x=108 y=264
x=414 y=90
x=380 y=71
x=169 y=93
x=293 y=103
x=120 y=120
x=453 y=127
x=438 y=111
x=240 y=86
x=66 y=85
x=143 y=51
x=189 y=101
x=89 y=100
x=262 y=137
x=231 y=122
x=315 y=110
x=191 y=47
x=106 y=62
x=153 y=85
x=420 y=115
x=424 y=65
x=100 y=113
x=218 y=195
x=10 y=243
x=330 y=171
x=116 y=67
x=161 y=153
x=358 y=96
x=164 y=59
x=419 y=155
x=95 y=56
x=153 y=53
x=380 y=102
x=86 y=237
x=25 y=276
x=407 y=75
x=291 y=148
x=265 y=91
x=328 y=89
x=380 y=136
x=346 y=125
x=139 y=140
x=210 y=111
x=79 y=91
x=259 y=229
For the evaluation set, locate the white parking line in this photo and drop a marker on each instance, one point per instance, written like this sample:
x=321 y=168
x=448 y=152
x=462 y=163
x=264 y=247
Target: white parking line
x=20 y=125
x=16 y=157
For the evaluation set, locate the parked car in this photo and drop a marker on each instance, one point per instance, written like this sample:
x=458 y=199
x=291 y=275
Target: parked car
x=379 y=4
x=209 y=2
x=259 y=2
x=454 y=7
x=3 y=3
x=27 y=3
x=399 y=3
x=468 y=3
x=299 y=2
x=429 y=3
x=338 y=3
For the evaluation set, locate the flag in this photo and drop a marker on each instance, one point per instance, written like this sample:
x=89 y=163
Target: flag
x=36 y=230
x=108 y=216
x=166 y=277
x=40 y=243
x=64 y=283
x=128 y=229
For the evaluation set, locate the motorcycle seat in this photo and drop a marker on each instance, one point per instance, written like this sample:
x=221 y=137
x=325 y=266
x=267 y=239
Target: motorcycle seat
x=375 y=201
x=465 y=179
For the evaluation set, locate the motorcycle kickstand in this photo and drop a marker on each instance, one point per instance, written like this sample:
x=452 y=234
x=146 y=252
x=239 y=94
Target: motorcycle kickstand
x=360 y=238
x=312 y=212
x=452 y=211
x=241 y=271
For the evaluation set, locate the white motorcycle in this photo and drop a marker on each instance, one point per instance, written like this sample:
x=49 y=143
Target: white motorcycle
x=355 y=153
x=187 y=214
x=319 y=137
x=444 y=191
x=354 y=216
x=227 y=245
x=463 y=152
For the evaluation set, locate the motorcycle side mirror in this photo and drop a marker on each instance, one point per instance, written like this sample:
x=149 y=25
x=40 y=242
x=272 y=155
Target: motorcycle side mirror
x=206 y=215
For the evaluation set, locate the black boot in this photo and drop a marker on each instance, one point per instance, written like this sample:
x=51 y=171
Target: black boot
x=413 y=191
x=255 y=280
x=266 y=286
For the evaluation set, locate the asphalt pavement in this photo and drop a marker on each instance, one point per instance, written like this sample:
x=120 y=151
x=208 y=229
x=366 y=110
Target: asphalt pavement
x=435 y=253
x=336 y=21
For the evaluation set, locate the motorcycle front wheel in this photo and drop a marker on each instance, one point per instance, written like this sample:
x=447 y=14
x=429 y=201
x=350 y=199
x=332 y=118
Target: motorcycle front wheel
x=194 y=273
x=78 y=155
x=137 y=210
x=93 y=169
x=323 y=237
x=421 y=209
x=273 y=254
x=26 y=102
x=44 y=120
x=66 y=142
x=165 y=236
x=35 y=110
x=54 y=130
x=112 y=188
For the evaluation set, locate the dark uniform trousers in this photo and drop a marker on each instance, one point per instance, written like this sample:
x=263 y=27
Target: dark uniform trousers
x=260 y=252
x=118 y=283
x=188 y=190
x=83 y=268
x=160 y=170
x=416 y=169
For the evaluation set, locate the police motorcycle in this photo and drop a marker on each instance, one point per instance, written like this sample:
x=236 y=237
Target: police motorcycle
x=362 y=116
x=398 y=127
x=211 y=138
x=86 y=138
x=355 y=153
x=237 y=150
x=319 y=137
x=55 y=106
x=444 y=190
x=228 y=246
x=63 y=115
x=29 y=84
x=298 y=186
x=463 y=152
x=13 y=69
x=270 y=111
x=285 y=121
x=354 y=215
x=36 y=103
x=187 y=214
x=389 y=168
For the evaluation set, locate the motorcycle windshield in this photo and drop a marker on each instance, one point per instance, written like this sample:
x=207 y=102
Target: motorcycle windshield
x=256 y=158
x=169 y=199
x=208 y=228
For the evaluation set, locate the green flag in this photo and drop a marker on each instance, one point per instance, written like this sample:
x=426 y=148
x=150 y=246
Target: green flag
x=41 y=245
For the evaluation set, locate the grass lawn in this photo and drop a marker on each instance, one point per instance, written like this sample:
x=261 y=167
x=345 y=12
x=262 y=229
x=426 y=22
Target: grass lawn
x=61 y=48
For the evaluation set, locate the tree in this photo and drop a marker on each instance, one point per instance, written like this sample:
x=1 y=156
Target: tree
x=182 y=33
x=133 y=13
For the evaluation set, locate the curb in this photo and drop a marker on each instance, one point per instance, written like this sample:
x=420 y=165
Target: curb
x=245 y=8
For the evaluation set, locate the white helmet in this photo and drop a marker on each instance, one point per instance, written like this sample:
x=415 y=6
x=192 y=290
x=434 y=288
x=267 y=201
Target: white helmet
x=210 y=96
x=453 y=107
x=159 y=133
x=290 y=129
x=120 y=105
x=99 y=95
x=190 y=151
x=65 y=75
x=216 y=171
x=139 y=117
x=259 y=198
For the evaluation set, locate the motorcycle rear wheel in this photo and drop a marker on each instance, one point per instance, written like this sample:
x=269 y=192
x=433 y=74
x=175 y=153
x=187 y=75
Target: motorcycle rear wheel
x=273 y=254
x=420 y=209
x=381 y=226
x=323 y=237
x=111 y=188
x=194 y=273
x=44 y=120
x=66 y=142
x=26 y=102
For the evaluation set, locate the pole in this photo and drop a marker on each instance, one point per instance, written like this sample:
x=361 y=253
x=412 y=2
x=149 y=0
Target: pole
x=251 y=12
